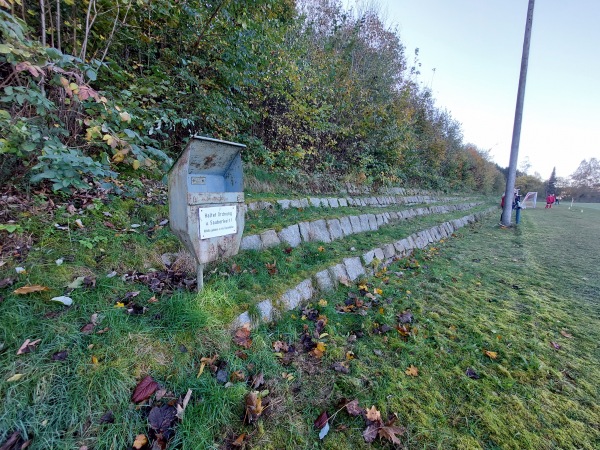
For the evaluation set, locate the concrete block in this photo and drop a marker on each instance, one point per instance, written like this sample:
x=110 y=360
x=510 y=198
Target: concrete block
x=266 y=310
x=354 y=268
x=291 y=235
x=242 y=320
x=355 y=222
x=291 y=299
x=369 y=257
x=380 y=220
x=295 y=204
x=335 y=229
x=346 y=225
x=389 y=251
x=333 y=202
x=343 y=202
x=304 y=203
x=399 y=246
x=324 y=281
x=306 y=290
x=364 y=222
x=251 y=242
x=372 y=222
x=379 y=254
x=319 y=232
x=338 y=272
x=314 y=201
x=269 y=239
x=284 y=204
x=304 y=231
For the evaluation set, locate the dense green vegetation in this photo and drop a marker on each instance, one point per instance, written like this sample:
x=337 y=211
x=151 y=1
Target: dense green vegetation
x=96 y=88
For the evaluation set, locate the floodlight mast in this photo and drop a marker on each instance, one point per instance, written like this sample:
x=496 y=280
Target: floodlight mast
x=516 y=137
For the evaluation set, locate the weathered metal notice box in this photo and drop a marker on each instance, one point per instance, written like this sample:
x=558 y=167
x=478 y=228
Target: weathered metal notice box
x=206 y=199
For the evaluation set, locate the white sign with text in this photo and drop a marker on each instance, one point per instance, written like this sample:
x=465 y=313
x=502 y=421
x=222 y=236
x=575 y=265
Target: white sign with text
x=218 y=221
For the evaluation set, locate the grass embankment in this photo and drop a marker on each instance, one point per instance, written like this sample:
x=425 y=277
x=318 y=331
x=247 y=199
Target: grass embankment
x=511 y=292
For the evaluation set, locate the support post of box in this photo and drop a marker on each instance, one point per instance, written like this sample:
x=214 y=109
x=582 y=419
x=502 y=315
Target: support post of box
x=206 y=200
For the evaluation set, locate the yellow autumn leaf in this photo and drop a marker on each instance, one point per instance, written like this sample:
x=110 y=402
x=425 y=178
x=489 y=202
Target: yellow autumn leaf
x=29 y=289
x=109 y=140
x=74 y=88
x=94 y=360
x=321 y=248
x=118 y=157
x=15 y=377
x=378 y=291
x=125 y=117
x=492 y=355
x=119 y=305
x=136 y=164
x=363 y=287
x=322 y=302
x=412 y=371
x=140 y=441
x=321 y=346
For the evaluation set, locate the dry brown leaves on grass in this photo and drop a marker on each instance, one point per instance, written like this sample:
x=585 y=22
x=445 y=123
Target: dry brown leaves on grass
x=29 y=289
x=242 y=336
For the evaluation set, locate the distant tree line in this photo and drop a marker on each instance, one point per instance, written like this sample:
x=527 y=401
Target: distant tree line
x=94 y=88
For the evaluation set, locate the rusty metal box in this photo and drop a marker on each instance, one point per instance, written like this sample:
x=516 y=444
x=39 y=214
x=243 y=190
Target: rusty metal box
x=206 y=198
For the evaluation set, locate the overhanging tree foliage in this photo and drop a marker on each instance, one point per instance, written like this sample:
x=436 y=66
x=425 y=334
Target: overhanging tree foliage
x=95 y=87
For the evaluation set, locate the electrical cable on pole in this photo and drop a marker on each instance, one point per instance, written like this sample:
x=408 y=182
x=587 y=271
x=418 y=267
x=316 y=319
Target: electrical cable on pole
x=514 y=148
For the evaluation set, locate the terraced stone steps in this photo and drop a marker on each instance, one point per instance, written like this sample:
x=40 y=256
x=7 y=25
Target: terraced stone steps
x=353 y=268
x=328 y=230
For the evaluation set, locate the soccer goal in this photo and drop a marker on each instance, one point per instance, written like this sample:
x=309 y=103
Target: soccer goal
x=530 y=200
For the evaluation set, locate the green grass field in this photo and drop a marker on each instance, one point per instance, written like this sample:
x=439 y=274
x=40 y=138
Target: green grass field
x=528 y=296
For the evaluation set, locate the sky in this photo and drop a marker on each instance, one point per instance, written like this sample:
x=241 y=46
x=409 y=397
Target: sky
x=475 y=47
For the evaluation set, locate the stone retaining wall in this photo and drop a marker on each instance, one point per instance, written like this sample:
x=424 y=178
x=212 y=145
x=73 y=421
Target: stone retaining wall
x=341 y=202
x=332 y=229
x=355 y=267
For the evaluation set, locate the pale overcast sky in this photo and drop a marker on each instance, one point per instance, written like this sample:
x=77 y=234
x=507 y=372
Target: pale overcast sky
x=475 y=47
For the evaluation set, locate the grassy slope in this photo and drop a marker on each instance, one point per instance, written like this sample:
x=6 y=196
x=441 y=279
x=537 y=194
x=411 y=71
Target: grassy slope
x=509 y=291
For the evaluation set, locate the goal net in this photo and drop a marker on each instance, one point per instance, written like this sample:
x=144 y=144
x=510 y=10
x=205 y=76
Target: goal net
x=530 y=200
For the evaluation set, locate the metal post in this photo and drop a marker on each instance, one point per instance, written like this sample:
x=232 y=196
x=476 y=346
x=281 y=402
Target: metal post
x=514 y=148
x=200 y=277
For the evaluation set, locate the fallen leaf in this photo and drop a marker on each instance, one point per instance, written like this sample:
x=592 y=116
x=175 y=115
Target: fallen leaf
x=60 y=356
x=28 y=346
x=389 y=432
x=31 y=289
x=67 y=301
x=79 y=223
x=566 y=334
x=258 y=380
x=76 y=283
x=161 y=418
x=319 y=350
x=373 y=414
x=239 y=441
x=88 y=328
x=279 y=346
x=341 y=367
x=370 y=432
x=254 y=407
x=181 y=407
x=324 y=431
x=321 y=249
x=412 y=371
x=321 y=421
x=472 y=374
x=323 y=302
x=107 y=417
x=492 y=355
x=237 y=375
x=405 y=317
x=144 y=389
x=353 y=409
x=242 y=336
x=555 y=345
x=94 y=360
x=6 y=282
x=272 y=268
x=140 y=441
x=15 y=377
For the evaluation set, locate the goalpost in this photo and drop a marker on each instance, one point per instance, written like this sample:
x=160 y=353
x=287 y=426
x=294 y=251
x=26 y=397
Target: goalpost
x=530 y=200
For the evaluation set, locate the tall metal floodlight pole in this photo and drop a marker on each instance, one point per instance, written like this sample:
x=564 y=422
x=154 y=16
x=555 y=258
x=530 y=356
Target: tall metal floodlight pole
x=514 y=148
